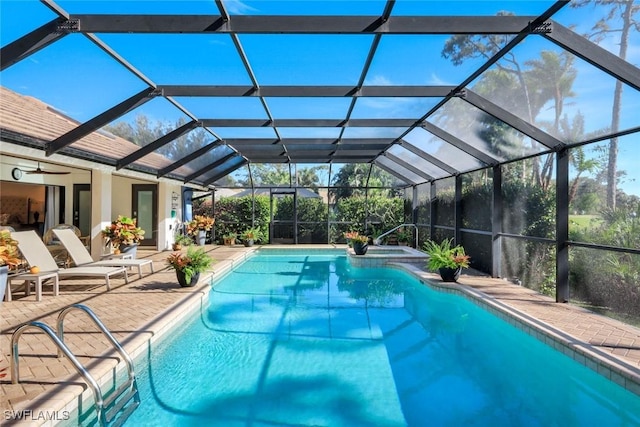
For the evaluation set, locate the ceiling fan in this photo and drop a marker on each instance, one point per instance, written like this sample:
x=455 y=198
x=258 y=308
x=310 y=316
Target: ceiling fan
x=40 y=171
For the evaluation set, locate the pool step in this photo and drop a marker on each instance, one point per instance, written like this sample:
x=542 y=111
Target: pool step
x=126 y=394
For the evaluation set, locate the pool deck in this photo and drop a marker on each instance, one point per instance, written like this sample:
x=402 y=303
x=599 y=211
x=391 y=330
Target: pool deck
x=146 y=307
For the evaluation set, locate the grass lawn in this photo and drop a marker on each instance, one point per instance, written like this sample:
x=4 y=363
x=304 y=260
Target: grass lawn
x=584 y=221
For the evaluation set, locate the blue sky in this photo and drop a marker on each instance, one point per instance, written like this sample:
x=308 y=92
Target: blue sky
x=79 y=79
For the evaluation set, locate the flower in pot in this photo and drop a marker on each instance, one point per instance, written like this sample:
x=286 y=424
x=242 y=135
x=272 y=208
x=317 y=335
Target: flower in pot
x=250 y=236
x=188 y=266
x=9 y=258
x=8 y=250
x=360 y=243
x=123 y=231
x=199 y=226
x=349 y=235
x=229 y=238
x=181 y=240
x=446 y=259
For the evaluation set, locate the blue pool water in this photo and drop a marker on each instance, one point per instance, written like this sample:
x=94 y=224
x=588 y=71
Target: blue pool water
x=307 y=340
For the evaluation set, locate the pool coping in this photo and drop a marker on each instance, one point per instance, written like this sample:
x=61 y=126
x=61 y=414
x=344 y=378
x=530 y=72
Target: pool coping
x=612 y=368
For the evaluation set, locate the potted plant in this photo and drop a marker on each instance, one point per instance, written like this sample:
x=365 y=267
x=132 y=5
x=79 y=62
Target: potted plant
x=123 y=234
x=250 y=236
x=188 y=266
x=9 y=258
x=446 y=259
x=360 y=243
x=229 y=238
x=199 y=226
x=181 y=240
x=404 y=236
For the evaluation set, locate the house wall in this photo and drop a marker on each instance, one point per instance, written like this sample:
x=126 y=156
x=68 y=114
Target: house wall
x=111 y=190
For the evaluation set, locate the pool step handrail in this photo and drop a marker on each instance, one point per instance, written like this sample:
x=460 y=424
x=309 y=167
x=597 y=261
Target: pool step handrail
x=116 y=408
x=128 y=391
x=378 y=240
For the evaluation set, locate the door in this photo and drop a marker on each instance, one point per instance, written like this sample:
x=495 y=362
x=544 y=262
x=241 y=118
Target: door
x=82 y=208
x=283 y=216
x=145 y=211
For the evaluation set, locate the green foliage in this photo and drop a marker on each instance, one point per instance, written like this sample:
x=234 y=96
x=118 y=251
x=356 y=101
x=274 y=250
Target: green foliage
x=370 y=216
x=271 y=174
x=182 y=239
x=352 y=178
x=235 y=214
x=607 y=282
x=283 y=208
x=476 y=202
x=251 y=234
x=405 y=234
x=444 y=254
x=529 y=209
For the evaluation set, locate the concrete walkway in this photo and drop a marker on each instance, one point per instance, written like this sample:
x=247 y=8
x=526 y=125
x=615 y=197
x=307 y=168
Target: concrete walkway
x=147 y=306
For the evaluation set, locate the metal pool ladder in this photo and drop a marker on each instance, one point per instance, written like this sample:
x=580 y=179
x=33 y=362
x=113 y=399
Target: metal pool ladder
x=118 y=406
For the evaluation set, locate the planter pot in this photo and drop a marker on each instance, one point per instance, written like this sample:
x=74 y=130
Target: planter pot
x=130 y=250
x=248 y=242
x=4 y=272
x=183 y=280
x=360 y=248
x=201 y=237
x=229 y=242
x=176 y=247
x=449 y=274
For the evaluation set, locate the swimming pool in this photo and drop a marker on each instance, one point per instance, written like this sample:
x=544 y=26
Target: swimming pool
x=303 y=340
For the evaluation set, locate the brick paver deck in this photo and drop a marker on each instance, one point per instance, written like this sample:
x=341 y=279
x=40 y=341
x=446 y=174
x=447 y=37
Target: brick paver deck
x=137 y=311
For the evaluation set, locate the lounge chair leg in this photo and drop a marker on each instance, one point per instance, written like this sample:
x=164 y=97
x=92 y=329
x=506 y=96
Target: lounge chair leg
x=38 y=283
x=7 y=294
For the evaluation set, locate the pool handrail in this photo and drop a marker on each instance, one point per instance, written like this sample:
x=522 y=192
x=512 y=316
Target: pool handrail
x=107 y=410
x=378 y=239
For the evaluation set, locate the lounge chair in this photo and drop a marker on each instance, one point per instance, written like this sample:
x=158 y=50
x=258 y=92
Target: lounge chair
x=81 y=257
x=36 y=253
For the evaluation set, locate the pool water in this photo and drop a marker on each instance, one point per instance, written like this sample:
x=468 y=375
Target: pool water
x=308 y=340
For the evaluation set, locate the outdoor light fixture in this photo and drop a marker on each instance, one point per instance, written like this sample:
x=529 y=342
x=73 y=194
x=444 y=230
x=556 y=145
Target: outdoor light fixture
x=174 y=203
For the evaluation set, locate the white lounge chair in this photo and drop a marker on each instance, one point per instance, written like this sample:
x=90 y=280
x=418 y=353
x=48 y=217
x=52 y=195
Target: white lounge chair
x=81 y=257
x=36 y=253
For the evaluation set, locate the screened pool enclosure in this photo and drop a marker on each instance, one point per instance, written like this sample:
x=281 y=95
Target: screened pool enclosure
x=511 y=127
